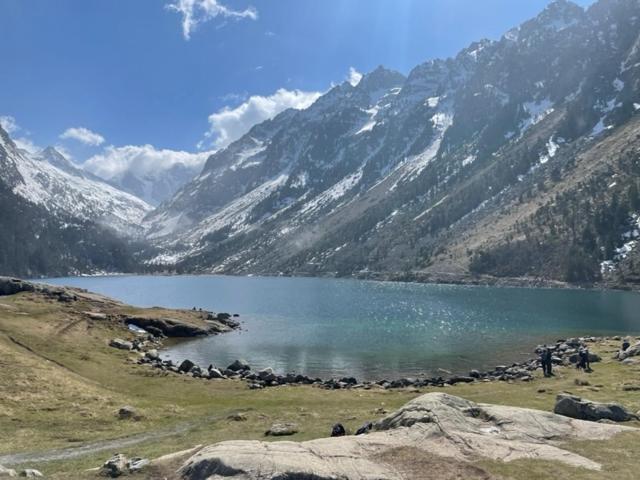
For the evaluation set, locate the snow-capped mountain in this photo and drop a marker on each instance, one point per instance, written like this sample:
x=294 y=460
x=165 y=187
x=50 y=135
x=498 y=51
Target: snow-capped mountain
x=49 y=180
x=436 y=173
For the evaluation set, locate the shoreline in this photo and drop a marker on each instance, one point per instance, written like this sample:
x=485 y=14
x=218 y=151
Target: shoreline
x=420 y=278
x=564 y=355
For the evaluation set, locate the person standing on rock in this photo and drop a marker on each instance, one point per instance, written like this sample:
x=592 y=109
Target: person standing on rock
x=587 y=363
x=625 y=344
x=548 y=363
x=543 y=360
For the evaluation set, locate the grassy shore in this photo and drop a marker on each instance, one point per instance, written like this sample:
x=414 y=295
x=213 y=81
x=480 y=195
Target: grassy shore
x=61 y=386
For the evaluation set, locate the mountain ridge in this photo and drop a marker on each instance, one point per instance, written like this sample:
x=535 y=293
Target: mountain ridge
x=328 y=189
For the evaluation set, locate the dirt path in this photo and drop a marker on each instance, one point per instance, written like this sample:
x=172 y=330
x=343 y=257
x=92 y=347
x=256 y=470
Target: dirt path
x=95 y=447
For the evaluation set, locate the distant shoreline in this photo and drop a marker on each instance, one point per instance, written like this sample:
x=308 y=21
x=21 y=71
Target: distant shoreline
x=405 y=277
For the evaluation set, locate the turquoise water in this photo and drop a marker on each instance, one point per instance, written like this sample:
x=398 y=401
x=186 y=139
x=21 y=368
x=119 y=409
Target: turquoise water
x=373 y=330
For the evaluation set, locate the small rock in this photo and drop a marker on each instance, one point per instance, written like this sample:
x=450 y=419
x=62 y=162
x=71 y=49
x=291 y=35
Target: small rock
x=186 y=366
x=282 y=429
x=116 y=466
x=127 y=412
x=121 y=344
x=266 y=375
x=31 y=473
x=364 y=429
x=137 y=464
x=215 y=373
x=7 y=472
x=238 y=365
x=631 y=388
x=152 y=354
x=581 y=383
x=237 y=417
x=338 y=430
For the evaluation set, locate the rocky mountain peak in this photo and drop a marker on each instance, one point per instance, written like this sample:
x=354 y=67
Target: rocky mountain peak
x=55 y=158
x=559 y=15
x=381 y=79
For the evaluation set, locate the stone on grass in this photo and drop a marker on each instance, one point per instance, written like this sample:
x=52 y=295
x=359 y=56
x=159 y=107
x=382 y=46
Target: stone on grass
x=120 y=465
x=282 y=429
x=116 y=466
x=7 y=472
x=121 y=344
x=582 y=409
x=237 y=417
x=31 y=473
x=128 y=413
x=137 y=464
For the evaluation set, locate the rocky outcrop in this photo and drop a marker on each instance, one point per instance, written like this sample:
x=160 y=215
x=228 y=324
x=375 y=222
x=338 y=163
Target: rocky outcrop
x=170 y=327
x=576 y=407
x=11 y=286
x=435 y=424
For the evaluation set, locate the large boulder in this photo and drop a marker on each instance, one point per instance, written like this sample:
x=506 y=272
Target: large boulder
x=435 y=424
x=576 y=407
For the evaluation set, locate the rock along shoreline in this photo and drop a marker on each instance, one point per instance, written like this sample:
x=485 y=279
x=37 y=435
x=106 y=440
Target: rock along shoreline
x=564 y=354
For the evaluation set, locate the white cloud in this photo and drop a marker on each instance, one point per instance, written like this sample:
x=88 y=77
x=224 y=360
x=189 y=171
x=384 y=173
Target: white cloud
x=83 y=135
x=144 y=161
x=195 y=12
x=354 y=76
x=229 y=124
x=27 y=144
x=8 y=123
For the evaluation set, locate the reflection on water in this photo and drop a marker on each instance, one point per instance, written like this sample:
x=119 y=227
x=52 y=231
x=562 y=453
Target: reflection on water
x=327 y=327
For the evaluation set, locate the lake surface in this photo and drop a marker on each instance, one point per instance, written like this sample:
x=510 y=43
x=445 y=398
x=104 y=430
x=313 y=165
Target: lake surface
x=373 y=330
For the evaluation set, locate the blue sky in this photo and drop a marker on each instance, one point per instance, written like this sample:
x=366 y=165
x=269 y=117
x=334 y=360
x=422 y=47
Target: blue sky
x=125 y=70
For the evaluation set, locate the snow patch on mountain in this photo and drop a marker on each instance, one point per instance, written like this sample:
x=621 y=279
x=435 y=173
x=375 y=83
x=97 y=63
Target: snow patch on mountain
x=48 y=179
